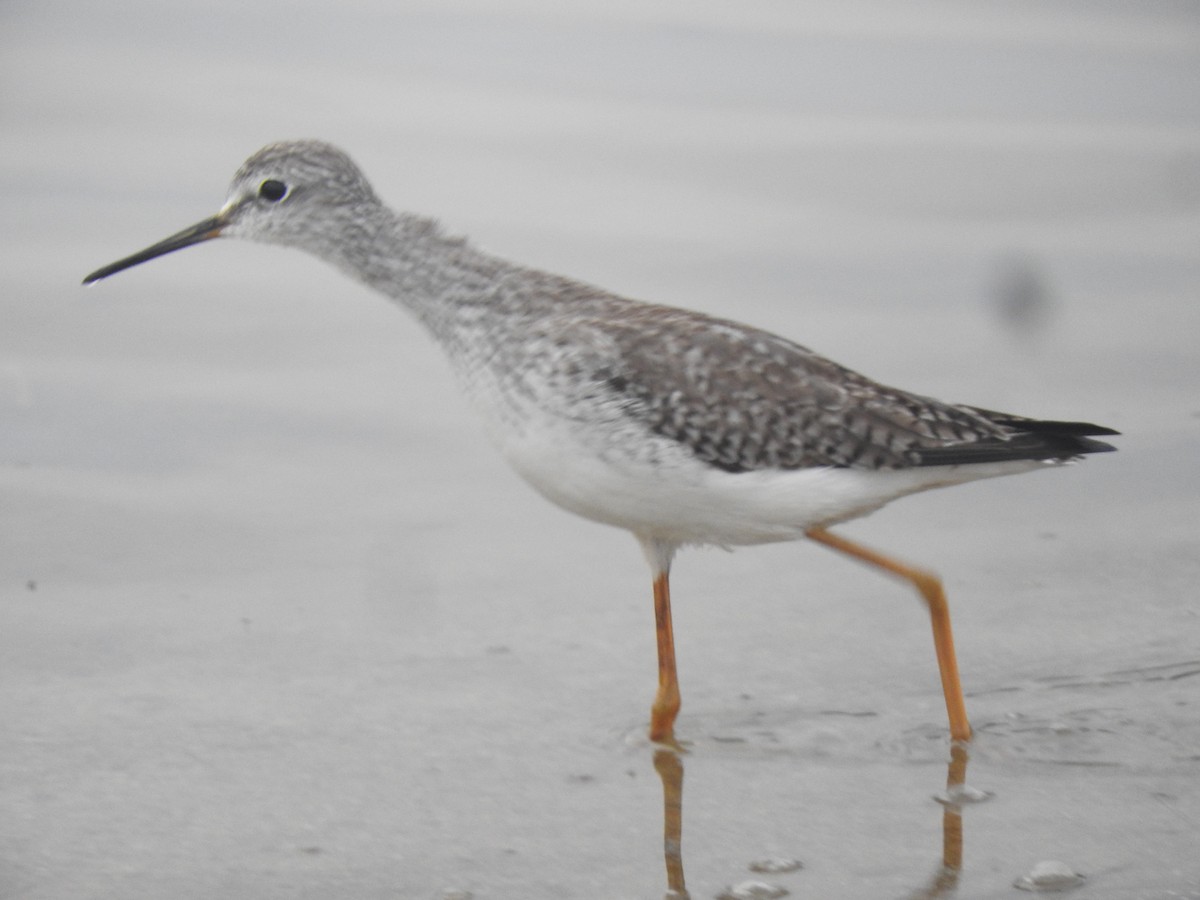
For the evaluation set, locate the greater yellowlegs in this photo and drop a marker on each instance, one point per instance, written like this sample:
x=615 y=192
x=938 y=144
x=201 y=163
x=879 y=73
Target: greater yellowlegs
x=679 y=427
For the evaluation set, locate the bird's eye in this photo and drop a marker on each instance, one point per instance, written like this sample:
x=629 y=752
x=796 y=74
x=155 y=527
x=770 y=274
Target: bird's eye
x=272 y=190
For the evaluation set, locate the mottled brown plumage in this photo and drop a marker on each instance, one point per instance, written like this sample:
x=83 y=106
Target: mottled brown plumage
x=742 y=399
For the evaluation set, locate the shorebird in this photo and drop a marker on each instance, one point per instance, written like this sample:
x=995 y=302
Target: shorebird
x=682 y=428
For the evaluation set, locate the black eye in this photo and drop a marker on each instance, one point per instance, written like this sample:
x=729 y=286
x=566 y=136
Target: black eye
x=272 y=190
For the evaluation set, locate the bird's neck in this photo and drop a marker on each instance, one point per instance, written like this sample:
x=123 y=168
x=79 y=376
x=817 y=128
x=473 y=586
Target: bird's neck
x=444 y=281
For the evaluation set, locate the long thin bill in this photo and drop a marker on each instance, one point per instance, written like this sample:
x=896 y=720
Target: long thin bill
x=201 y=231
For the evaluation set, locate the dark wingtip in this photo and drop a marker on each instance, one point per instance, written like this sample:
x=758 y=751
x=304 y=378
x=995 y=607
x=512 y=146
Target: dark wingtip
x=1032 y=440
x=1060 y=440
x=1075 y=429
x=1087 y=445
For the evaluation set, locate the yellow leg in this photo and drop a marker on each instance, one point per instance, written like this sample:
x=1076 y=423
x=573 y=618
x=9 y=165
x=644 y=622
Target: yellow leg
x=666 y=701
x=930 y=588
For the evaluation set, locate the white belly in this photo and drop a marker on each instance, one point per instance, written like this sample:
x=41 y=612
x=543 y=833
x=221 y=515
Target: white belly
x=669 y=496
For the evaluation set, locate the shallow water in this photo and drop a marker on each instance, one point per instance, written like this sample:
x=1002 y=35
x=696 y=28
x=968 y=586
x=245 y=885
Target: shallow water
x=277 y=622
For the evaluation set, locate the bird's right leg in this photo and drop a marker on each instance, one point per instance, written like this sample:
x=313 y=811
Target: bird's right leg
x=666 y=700
x=929 y=586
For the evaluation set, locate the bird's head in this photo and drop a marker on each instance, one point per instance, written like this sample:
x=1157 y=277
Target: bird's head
x=304 y=194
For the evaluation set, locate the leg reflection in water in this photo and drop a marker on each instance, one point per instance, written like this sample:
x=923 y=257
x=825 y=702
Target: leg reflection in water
x=668 y=762
x=945 y=879
x=670 y=769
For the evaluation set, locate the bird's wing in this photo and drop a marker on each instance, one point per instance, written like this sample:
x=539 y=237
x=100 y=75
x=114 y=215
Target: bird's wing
x=742 y=399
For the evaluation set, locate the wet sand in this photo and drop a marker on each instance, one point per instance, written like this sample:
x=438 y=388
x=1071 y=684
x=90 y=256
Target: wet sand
x=277 y=622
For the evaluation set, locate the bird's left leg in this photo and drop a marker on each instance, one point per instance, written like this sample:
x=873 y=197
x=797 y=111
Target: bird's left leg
x=666 y=700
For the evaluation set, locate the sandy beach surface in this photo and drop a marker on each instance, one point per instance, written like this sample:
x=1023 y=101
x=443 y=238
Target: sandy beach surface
x=276 y=621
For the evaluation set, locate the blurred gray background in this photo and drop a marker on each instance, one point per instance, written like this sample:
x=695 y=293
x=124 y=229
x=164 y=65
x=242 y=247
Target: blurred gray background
x=276 y=622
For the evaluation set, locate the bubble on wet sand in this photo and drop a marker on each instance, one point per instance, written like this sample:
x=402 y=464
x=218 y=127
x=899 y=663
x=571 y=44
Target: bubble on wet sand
x=776 y=865
x=753 y=890
x=1049 y=876
x=962 y=795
